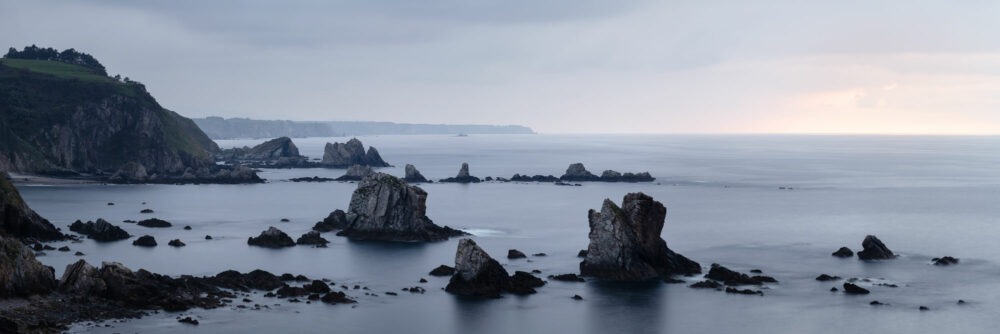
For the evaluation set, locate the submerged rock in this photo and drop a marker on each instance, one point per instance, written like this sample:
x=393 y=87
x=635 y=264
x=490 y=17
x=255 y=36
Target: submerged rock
x=744 y=291
x=145 y=241
x=476 y=273
x=944 y=261
x=625 y=242
x=413 y=175
x=176 y=243
x=851 y=288
x=153 y=222
x=384 y=207
x=515 y=254
x=21 y=275
x=463 y=176
x=20 y=221
x=337 y=220
x=101 y=231
x=730 y=277
x=351 y=153
x=874 y=249
x=355 y=173
x=273 y=238
x=825 y=277
x=311 y=238
x=843 y=252
x=442 y=270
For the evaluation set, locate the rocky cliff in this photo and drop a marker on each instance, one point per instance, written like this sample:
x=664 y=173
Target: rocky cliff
x=18 y=220
x=625 y=242
x=384 y=207
x=351 y=153
x=21 y=275
x=63 y=119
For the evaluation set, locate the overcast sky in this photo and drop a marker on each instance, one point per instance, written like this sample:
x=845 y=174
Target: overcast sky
x=590 y=66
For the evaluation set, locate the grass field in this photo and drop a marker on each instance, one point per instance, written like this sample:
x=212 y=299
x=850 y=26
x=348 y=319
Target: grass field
x=59 y=69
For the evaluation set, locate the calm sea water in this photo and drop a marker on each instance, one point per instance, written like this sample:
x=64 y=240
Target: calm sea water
x=923 y=196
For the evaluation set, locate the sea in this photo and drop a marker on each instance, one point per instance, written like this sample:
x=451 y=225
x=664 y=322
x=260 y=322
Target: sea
x=778 y=203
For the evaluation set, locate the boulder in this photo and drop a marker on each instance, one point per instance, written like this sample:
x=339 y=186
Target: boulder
x=874 y=249
x=176 y=243
x=625 y=242
x=351 y=153
x=843 y=252
x=355 y=173
x=523 y=283
x=21 y=275
x=567 y=278
x=730 y=277
x=145 y=241
x=101 y=231
x=337 y=220
x=944 y=261
x=386 y=208
x=153 y=222
x=337 y=297
x=272 y=237
x=442 y=270
x=576 y=172
x=20 y=221
x=515 y=254
x=311 y=238
x=83 y=279
x=850 y=288
x=413 y=175
x=476 y=273
x=463 y=176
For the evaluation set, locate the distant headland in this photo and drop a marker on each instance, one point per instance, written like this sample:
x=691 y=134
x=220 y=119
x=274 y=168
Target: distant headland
x=231 y=128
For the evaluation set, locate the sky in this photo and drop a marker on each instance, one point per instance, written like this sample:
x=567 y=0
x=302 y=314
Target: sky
x=558 y=66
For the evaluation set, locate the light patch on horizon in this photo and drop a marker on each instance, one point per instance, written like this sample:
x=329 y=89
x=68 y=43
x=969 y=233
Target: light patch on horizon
x=556 y=66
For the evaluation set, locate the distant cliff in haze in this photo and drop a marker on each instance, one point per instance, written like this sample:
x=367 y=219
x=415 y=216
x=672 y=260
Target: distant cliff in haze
x=229 y=128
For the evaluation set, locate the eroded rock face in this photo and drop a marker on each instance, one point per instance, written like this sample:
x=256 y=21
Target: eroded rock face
x=273 y=238
x=18 y=220
x=576 y=172
x=463 y=176
x=476 y=273
x=335 y=221
x=874 y=249
x=101 y=231
x=413 y=175
x=351 y=153
x=82 y=278
x=384 y=207
x=625 y=242
x=355 y=173
x=21 y=275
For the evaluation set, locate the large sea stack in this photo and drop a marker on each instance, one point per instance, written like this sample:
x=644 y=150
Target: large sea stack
x=77 y=121
x=478 y=274
x=463 y=176
x=625 y=243
x=384 y=207
x=18 y=220
x=413 y=175
x=351 y=153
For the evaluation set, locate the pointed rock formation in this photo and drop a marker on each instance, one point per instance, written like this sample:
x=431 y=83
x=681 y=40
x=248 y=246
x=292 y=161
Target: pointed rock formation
x=21 y=275
x=337 y=220
x=384 y=207
x=273 y=238
x=576 y=172
x=463 y=176
x=874 y=249
x=413 y=175
x=478 y=274
x=101 y=231
x=351 y=153
x=18 y=220
x=81 y=278
x=355 y=173
x=625 y=242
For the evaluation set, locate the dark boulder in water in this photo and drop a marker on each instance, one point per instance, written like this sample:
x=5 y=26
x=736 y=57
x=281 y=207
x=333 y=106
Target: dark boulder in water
x=145 y=241
x=442 y=270
x=567 y=278
x=874 y=249
x=317 y=286
x=386 y=208
x=176 y=243
x=706 y=284
x=146 y=211
x=153 y=222
x=730 y=277
x=944 y=261
x=337 y=297
x=413 y=175
x=843 y=252
x=523 y=283
x=463 y=176
x=536 y=178
x=515 y=254
x=625 y=242
x=851 y=288
x=101 y=231
x=273 y=238
x=744 y=291
x=311 y=238
x=337 y=220
x=825 y=277
x=257 y=280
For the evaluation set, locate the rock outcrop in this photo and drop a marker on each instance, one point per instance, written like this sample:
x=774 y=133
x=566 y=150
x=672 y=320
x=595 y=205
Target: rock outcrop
x=154 y=222
x=944 y=261
x=625 y=242
x=337 y=220
x=874 y=249
x=843 y=252
x=311 y=238
x=20 y=221
x=101 y=231
x=21 y=275
x=273 y=238
x=413 y=175
x=384 y=207
x=351 y=153
x=275 y=153
x=478 y=274
x=355 y=173
x=733 y=278
x=576 y=172
x=463 y=176
x=145 y=241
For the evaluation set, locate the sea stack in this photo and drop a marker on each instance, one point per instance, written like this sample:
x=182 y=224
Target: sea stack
x=576 y=172
x=355 y=173
x=20 y=221
x=463 y=176
x=625 y=243
x=101 y=231
x=351 y=153
x=384 y=207
x=413 y=175
x=874 y=249
x=272 y=238
x=478 y=274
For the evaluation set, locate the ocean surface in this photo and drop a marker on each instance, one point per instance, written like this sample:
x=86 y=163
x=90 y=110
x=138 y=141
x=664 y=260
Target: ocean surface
x=924 y=197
